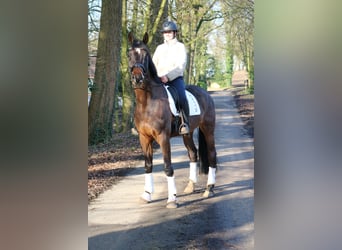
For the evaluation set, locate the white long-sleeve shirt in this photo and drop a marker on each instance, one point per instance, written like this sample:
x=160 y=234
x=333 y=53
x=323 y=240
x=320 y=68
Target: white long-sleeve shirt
x=170 y=59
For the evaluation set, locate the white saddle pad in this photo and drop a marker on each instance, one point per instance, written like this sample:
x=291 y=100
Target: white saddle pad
x=194 y=108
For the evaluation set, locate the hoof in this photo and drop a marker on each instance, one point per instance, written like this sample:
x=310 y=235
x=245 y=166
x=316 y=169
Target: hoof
x=145 y=198
x=208 y=194
x=172 y=204
x=190 y=188
x=143 y=201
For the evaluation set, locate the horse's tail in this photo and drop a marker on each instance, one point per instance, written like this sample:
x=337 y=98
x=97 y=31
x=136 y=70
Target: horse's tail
x=203 y=153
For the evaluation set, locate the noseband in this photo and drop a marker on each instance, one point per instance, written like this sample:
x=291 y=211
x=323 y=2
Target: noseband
x=138 y=75
x=142 y=70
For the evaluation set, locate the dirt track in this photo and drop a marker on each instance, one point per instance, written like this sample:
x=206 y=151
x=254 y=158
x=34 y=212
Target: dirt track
x=118 y=221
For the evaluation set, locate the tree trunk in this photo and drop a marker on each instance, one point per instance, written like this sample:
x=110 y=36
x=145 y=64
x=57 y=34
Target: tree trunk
x=127 y=91
x=135 y=17
x=101 y=107
x=159 y=13
x=147 y=17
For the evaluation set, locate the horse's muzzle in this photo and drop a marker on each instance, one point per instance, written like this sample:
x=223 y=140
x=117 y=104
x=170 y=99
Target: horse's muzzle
x=137 y=76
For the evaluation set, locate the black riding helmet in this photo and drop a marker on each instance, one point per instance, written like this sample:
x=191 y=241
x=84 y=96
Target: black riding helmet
x=169 y=26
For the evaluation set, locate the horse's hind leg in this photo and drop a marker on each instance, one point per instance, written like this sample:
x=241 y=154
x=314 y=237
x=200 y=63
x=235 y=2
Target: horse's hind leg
x=211 y=150
x=207 y=151
x=209 y=191
x=192 y=153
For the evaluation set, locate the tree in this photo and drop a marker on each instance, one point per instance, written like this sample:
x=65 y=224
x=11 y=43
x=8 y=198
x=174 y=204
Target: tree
x=137 y=17
x=240 y=17
x=126 y=88
x=101 y=106
x=195 y=20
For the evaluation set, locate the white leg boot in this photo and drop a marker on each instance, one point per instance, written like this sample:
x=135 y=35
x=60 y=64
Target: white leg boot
x=211 y=183
x=193 y=172
x=147 y=195
x=192 y=178
x=172 y=192
x=211 y=176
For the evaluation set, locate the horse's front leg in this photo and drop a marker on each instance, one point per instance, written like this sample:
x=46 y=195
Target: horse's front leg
x=146 y=145
x=164 y=142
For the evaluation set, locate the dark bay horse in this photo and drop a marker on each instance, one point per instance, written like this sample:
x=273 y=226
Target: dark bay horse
x=154 y=122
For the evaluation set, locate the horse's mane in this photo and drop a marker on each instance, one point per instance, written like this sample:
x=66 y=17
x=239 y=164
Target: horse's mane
x=152 y=68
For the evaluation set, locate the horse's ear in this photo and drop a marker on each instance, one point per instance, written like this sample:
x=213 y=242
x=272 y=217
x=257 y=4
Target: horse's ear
x=130 y=37
x=145 y=39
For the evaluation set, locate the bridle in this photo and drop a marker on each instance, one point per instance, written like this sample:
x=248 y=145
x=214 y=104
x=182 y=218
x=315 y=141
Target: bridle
x=138 y=72
x=138 y=69
x=141 y=76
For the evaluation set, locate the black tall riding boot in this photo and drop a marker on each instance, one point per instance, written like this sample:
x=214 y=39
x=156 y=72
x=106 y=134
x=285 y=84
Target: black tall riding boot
x=184 y=128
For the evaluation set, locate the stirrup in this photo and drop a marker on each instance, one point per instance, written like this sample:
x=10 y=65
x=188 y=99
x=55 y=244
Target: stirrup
x=184 y=129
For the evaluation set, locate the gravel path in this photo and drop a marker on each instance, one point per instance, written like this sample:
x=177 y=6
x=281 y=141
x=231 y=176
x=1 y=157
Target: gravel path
x=116 y=219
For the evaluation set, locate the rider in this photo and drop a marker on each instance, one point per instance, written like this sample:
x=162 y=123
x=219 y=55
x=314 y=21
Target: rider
x=170 y=61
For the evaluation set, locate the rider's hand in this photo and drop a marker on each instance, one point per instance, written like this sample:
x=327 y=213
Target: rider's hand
x=164 y=79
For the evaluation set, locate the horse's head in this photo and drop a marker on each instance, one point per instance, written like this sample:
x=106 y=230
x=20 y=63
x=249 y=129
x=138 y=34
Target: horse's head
x=139 y=60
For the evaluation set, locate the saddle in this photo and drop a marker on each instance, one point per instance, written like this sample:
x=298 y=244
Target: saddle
x=194 y=108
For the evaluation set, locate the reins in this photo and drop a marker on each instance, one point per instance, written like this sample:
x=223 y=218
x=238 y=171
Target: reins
x=144 y=76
